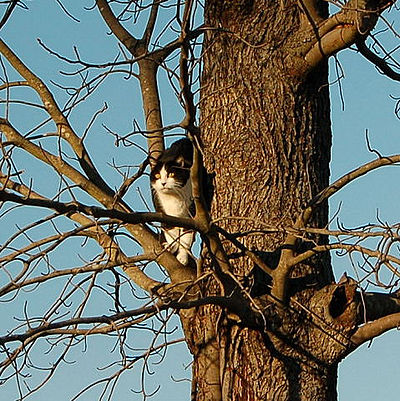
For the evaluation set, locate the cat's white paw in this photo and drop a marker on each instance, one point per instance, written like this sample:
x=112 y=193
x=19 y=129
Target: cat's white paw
x=173 y=248
x=183 y=256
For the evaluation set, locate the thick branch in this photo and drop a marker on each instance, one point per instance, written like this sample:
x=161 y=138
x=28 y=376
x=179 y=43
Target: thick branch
x=376 y=328
x=388 y=321
x=151 y=108
x=352 y=23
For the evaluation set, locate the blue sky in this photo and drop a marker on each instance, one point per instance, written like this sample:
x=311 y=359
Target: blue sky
x=371 y=373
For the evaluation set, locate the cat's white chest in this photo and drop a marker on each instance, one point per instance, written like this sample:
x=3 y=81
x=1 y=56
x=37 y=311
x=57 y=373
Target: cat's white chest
x=173 y=199
x=174 y=204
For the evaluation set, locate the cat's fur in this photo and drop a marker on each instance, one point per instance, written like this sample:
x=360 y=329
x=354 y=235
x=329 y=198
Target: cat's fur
x=172 y=195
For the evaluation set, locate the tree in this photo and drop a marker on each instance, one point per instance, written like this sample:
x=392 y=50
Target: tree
x=261 y=312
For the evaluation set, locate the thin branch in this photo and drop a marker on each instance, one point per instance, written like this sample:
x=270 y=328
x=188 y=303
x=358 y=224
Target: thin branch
x=351 y=176
x=288 y=259
x=377 y=61
x=148 y=32
x=52 y=328
x=54 y=161
x=10 y=8
x=129 y=181
x=76 y=207
x=64 y=129
x=104 y=240
x=13 y=84
x=347 y=247
x=91 y=267
x=253 y=256
x=128 y=40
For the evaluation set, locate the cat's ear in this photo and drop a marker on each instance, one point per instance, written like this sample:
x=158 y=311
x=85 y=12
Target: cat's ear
x=180 y=161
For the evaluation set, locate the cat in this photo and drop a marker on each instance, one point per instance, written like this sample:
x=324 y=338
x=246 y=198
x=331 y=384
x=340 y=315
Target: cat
x=172 y=194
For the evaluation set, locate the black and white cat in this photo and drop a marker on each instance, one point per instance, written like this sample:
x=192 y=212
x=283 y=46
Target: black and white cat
x=172 y=195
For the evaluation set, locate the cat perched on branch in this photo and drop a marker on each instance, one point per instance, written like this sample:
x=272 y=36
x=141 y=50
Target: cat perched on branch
x=172 y=194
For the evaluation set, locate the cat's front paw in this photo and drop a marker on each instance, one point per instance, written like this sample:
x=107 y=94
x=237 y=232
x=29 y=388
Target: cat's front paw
x=183 y=257
x=171 y=247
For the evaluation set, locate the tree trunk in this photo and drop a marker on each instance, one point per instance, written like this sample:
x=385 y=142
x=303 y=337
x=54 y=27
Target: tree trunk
x=266 y=133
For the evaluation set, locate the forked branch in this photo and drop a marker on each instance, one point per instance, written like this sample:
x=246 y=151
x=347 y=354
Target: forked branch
x=352 y=23
x=148 y=66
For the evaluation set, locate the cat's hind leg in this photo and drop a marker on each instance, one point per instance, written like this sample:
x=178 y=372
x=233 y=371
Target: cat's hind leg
x=186 y=240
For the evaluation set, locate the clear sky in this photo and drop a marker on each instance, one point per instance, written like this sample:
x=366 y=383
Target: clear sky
x=371 y=373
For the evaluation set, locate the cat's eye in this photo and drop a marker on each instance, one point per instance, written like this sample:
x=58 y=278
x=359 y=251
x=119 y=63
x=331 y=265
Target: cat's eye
x=171 y=174
x=157 y=176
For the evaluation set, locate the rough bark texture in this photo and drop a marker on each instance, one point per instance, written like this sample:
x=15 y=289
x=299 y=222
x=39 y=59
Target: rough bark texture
x=266 y=135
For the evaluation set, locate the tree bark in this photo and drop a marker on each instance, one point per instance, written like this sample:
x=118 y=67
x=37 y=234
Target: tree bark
x=266 y=133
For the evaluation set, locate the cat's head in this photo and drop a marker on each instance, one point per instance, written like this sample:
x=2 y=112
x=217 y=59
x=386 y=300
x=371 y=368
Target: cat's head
x=170 y=175
x=172 y=170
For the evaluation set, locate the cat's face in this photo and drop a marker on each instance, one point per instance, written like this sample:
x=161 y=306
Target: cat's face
x=170 y=176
